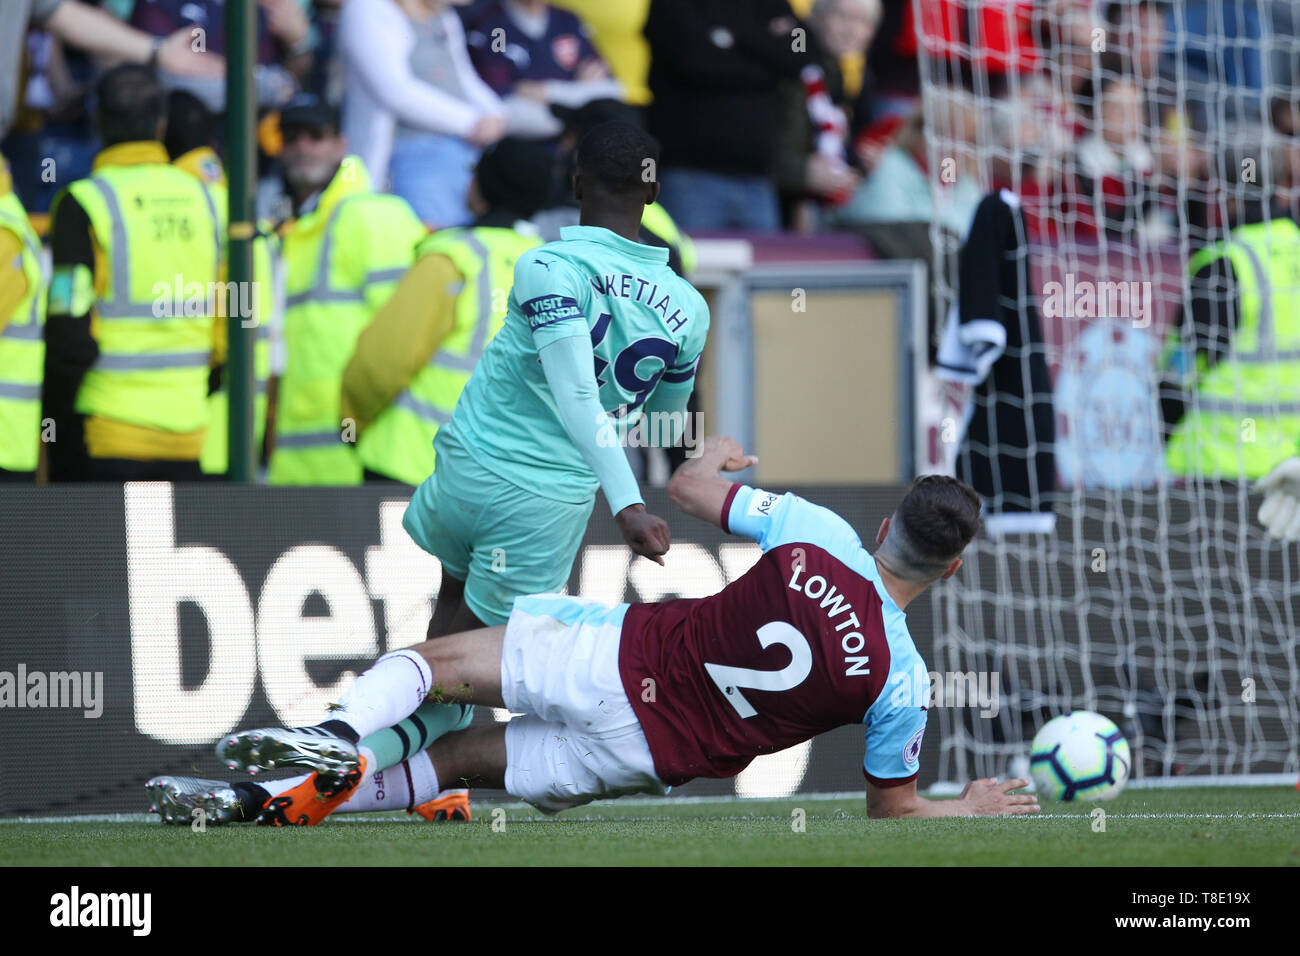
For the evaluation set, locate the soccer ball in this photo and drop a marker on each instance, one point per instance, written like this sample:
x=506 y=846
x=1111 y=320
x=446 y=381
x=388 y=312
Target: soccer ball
x=1079 y=756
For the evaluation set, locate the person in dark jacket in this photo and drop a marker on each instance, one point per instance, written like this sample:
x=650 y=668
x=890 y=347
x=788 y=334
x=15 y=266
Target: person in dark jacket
x=715 y=73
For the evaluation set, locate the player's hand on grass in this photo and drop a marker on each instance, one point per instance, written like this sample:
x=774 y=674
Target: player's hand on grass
x=989 y=798
x=646 y=534
x=1280 y=512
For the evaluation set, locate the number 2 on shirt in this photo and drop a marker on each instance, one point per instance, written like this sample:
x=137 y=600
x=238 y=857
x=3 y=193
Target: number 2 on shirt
x=731 y=679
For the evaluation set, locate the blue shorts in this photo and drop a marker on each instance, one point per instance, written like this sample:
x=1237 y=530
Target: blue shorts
x=503 y=541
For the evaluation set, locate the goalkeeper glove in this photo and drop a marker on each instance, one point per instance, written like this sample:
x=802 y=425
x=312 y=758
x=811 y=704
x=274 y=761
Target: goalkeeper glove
x=1280 y=512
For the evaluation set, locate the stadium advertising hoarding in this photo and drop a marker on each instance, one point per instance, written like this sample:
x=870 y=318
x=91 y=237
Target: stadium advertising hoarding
x=140 y=623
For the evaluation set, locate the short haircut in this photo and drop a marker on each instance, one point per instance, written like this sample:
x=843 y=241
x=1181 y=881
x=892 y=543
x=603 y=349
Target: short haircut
x=516 y=175
x=190 y=124
x=932 y=525
x=618 y=158
x=130 y=104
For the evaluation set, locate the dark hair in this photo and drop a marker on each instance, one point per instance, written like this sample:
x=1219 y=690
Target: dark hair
x=516 y=175
x=612 y=158
x=190 y=124
x=581 y=120
x=932 y=525
x=130 y=106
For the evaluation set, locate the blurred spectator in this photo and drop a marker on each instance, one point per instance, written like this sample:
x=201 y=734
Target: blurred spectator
x=283 y=27
x=964 y=38
x=535 y=56
x=1115 y=164
x=903 y=188
x=1232 y=361
x=1065 y=31
x=892 y=56
x=127 y=362
x=715 y=71
x=52 y=140
x=846 y=29
x=343 y=254
x=412 y=362
x=852 y=17
x=326 y=78
x=415 y=109
x=1175 y=96
x=284 y=39
x=88 y=28
x=820 y=115
x=1222 y=40
x=22 y=342
x=1284 y=113
x=616 y=31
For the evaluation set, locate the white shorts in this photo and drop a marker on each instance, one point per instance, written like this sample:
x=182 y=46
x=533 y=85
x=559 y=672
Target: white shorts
x=579 y=739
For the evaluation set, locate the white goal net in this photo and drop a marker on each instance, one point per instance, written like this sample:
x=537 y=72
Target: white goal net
x=1138 y=370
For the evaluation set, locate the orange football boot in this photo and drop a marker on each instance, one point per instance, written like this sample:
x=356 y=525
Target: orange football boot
x=309 y=803
x=448 y=805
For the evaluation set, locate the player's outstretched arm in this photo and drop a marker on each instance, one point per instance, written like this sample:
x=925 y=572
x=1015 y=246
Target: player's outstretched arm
x=571 y=377
x=981 y=798
x=698 y=488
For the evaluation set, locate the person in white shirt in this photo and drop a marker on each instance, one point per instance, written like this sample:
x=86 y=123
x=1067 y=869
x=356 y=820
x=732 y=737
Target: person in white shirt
x=414 y=108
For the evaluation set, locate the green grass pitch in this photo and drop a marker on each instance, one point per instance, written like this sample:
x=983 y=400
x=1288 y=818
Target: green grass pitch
x=1212 y=826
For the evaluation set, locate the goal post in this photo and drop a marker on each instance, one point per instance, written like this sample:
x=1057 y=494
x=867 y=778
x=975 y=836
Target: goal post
x=1136 y=140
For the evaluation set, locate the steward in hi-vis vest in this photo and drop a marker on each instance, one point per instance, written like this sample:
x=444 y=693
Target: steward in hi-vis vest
x=343 y=255
x=1232 y=389
x=130 y=336
x=22 y=340
x=414 y=359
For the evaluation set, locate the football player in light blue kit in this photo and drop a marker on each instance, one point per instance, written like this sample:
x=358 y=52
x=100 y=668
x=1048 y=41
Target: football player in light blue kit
x=599 y=332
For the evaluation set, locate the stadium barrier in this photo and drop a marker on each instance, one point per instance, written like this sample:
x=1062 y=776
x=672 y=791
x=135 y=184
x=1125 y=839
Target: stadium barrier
x=145 y=621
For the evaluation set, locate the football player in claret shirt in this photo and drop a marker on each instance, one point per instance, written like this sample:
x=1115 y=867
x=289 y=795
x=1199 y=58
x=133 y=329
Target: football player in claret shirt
x=636 y=698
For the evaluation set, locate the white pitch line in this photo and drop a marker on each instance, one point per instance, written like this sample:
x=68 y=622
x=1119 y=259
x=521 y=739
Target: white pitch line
x=856 y=796
x=368 y=818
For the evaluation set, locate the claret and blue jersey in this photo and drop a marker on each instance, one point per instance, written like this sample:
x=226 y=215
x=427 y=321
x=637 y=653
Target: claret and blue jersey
x=805 y=641
x=647 y=328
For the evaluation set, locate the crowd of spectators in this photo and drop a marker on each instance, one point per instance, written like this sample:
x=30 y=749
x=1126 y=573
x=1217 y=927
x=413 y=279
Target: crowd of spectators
x=802 y=115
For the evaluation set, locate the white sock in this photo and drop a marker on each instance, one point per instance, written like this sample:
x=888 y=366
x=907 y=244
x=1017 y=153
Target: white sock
x=424 y=778
x=403 y=787
x=386 y=694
